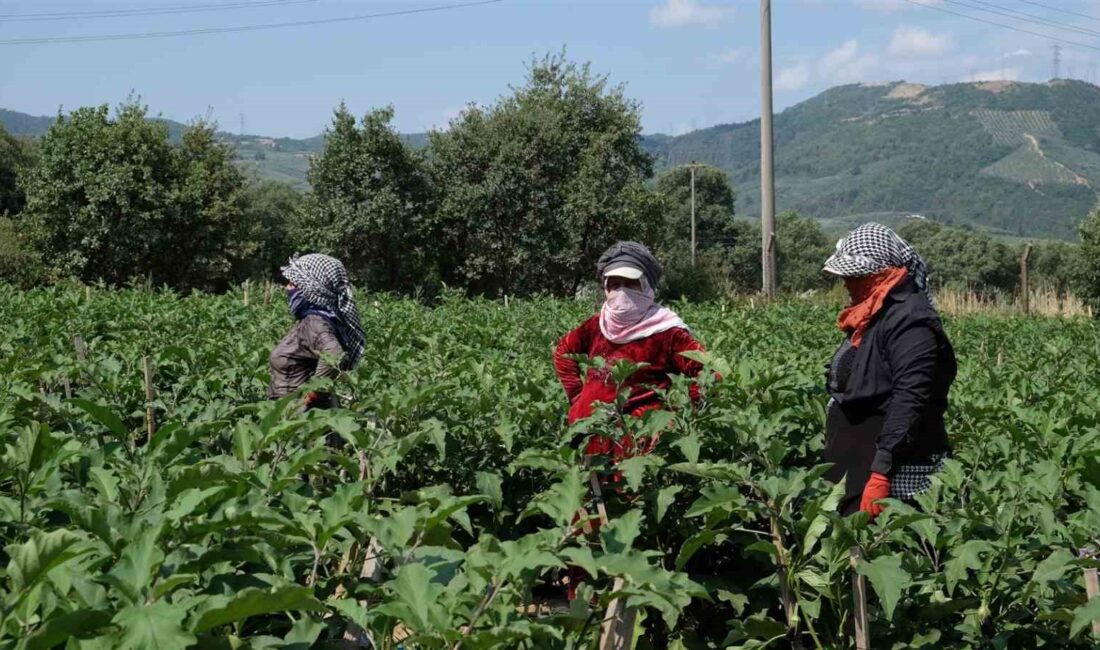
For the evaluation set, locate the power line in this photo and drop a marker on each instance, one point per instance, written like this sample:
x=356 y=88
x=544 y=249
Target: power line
x=126 y=13
x=1023 y=16
x=1059 y=9
x=994 y=23
x=242 y=28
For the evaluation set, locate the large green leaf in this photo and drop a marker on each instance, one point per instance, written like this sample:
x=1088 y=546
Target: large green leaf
x=33 y=559
x=887 y=578
x=417 y=600
x=102 y=415
x=59 y=629
x=255 y=601
x=152 y=625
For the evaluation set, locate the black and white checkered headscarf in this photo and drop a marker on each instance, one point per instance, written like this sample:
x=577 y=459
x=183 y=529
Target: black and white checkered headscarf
x=872 y=248
x=323 y=281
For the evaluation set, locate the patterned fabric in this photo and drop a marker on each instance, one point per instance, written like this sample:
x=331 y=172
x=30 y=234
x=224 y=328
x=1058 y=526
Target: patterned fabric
x=323 y=281
x=873 y=247
x=911 y=480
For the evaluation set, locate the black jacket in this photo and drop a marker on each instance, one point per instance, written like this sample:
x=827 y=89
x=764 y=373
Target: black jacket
x=892 y=389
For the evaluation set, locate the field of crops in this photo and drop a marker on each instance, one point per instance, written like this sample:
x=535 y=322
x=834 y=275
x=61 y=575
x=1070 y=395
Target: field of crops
x=236 y=526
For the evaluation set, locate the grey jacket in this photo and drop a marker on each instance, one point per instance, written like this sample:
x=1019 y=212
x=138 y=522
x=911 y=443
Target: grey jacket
x=301 y=356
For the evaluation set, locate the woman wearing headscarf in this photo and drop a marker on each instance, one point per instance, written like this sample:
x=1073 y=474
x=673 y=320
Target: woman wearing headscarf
x=890 y=378
x=632 y=326
x=327 y=337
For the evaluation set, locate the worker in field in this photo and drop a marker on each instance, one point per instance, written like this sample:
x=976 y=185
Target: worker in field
x=326 y=338
x=890 y=378
x=630 y=326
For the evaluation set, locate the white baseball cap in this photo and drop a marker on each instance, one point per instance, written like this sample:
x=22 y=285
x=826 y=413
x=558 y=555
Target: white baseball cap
x=628 y=272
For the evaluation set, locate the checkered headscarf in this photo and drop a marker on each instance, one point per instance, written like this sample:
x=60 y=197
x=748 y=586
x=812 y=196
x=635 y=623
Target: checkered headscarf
x=872 y=248
x=323 y=281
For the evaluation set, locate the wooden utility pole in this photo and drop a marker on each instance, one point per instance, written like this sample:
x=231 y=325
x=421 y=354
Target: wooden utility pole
x=693 y=213
x=767 y=182
x=1025 y=286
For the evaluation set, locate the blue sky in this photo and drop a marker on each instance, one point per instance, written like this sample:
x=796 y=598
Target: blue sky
x=691 y=64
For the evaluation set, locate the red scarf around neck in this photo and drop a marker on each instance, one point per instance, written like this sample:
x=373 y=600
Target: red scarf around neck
x=868 y=295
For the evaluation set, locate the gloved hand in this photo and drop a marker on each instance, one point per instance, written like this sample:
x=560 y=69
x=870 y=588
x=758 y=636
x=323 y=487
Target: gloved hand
x=877 y=487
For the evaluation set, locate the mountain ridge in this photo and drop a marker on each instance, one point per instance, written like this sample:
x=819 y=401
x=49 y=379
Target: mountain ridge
x=1014 y=158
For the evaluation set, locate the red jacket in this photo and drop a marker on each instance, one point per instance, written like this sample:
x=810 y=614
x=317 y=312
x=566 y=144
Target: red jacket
x=661 y=351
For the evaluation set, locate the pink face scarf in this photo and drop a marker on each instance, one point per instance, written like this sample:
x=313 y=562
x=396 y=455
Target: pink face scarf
x=628 y=315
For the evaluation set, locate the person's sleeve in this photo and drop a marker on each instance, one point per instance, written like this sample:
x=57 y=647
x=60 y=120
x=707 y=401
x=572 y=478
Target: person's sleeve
x=911 y=352
x=322 y=342
x=682 y=341
x=567 y=369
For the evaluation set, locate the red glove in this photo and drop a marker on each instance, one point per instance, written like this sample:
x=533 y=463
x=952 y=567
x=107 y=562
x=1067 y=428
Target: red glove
x=311 y=398
x=877 y=487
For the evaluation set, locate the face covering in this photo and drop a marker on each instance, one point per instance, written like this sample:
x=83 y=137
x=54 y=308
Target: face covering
x=629 y=314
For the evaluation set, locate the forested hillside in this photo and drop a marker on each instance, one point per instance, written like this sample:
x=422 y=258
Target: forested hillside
x=1018 y=158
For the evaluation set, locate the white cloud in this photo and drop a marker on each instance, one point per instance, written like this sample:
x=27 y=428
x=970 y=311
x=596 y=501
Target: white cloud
x=792 y=78
x=914 y=42
x=1001 y=74
x=845 y=64
x=1020 y=52
x=678 y=13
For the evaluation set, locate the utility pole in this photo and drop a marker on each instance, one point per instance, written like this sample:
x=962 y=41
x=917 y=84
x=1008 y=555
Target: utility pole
x=767 y=182
x=693 y=213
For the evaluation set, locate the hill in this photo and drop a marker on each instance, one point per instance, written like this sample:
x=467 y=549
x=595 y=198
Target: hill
x=1014 y=158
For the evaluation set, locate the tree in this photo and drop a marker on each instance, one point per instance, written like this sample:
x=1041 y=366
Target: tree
x=1088 y=261
x=714 y=206
x=962 y=257
x=534 y=188
x=370 y=203
x=801 y=251
x=208 y=239
x=14 y=157
x=112 y=199
x=270 y=207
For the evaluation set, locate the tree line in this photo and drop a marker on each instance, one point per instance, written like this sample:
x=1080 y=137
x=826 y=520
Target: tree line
x=515 y=198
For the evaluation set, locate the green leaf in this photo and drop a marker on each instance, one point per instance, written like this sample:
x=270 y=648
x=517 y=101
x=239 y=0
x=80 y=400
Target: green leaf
x=635 y=468
x=105 y=482
x=562 y=501
x=33 y=559
x=1053 y=567
x=488 y=483
x=965 y=556
x=59 y=629
x=102 y=415
x=417 y=599
x=619 y=535
x=665 y=498
x=255 y=601
x=887 y=578
x=156 y=625
x=1083 y=616
x=134 y=571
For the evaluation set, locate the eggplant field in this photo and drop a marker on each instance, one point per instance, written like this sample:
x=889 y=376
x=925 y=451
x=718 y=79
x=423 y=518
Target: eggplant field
x=440 y=506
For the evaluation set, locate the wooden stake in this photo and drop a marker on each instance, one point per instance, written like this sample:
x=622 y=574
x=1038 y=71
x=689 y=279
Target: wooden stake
x=87 y=293
x=355 y=636
x=150 y=416
x=617 y=632
x=267 y=293
x=246 y=293
x=1025 y=286
x=80 y=347
x=1092 y=588
x=859 y=598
